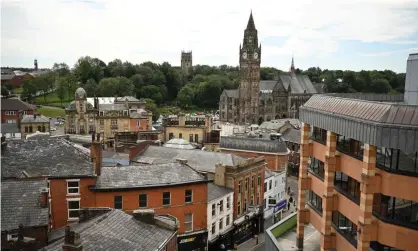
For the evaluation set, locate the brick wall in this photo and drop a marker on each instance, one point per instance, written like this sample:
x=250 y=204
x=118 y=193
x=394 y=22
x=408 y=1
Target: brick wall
x=274 y=162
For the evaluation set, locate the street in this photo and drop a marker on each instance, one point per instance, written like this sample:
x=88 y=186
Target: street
x=60 y=129
x=292 y=182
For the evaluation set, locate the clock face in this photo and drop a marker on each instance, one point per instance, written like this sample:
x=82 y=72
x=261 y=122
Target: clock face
x=244 y=55
x=256 y=55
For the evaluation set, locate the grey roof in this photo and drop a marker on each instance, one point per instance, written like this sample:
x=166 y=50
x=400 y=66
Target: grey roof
x=292 y=135
x=7 y=76
x=389 y=125
x=253 y=144
x=14 y=104
x=380 y=97
x=203 y=161
x=268 y=173
x=147 y=176
x=112 y=107
x=267 y=85
x=179 y=143
x=114 y=155
x=276 y=124
x=298 y=83
x=34 y=119
x=20 y=204
x=116 y=230
x=217 y=192
x=44 y=156
x=9 y=128
x=232 y=93
x=128 y=98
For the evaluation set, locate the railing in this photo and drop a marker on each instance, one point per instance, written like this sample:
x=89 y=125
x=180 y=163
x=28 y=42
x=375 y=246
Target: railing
x=278 y=229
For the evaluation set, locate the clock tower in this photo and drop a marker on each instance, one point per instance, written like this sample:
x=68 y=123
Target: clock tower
x=249 y=62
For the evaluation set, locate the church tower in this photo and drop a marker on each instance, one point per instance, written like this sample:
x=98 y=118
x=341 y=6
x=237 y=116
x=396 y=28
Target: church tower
x=35 y=64
x=186 y=62
x=249 y=62
x=292 y=66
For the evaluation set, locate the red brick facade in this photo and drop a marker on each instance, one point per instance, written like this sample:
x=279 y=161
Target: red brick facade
x=274 y=161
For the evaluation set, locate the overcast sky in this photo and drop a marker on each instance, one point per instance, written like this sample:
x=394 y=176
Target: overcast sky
x=333 y=34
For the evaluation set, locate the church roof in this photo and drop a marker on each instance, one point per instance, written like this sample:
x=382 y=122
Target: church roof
x=298 y=83
x=267 y=86
x=251 y=25
x=232 y=93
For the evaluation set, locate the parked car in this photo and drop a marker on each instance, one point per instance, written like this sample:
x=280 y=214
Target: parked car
x=57 y=123
x=53 y=129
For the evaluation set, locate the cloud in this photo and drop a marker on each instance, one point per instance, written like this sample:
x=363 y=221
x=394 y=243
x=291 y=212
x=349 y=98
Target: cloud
x=139 y=30
x=388 y=53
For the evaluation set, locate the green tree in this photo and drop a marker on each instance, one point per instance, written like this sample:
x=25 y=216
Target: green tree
x=380 y=86
x=209 y=92
x=108 y=87
x=61 y=88
x=152 y=92
x=4 y=91
x=152 y=107
x=186 y=96
x=124 y=86
x=91 y=88
x=61 y=69
x=29 y=89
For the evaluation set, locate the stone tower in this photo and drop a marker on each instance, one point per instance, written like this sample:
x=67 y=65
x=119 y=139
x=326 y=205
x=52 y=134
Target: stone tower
x=249 y=62
x=186 y=62
x=35 y=64
x=292 y=66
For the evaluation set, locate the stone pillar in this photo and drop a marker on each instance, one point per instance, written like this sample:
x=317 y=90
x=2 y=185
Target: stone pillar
x=303 y=181
x=328 y=195
x=367 y=185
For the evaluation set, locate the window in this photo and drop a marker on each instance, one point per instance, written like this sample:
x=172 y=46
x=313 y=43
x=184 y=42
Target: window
x=25 y=112
x=228 y=220
x=39 y=128
x=30 y=129
x=245 y=205
x=397 y=161
x=398 y=211
x=259 y=179
x=347 y=186
x=319 y=135
x=73 y=208
x=239 y=186
x=345 y=227
x=221 y=206
x=73 y=186
x=282 y=180
x=315 y=202
x=247 y=180
x=188 y=222
x=188 y=194
x=166 y=198
x=190 y=137
x=213 y=209
x=265 y=203
x=213 y=228
x=142 y=200
x=352 y=147
x=252 y=200
x=196 y=138
x=11 y=121
x=10 y=112
x=239 y=208
x=49 y=190
x=316 y=167
x=26 y=129
x=228 y=202
x=114 y=122
x=258 y=198
x=221 y=224
x=265 y=186
x=275 y=183
x=102 y=122
x=101 y=113
x=270 y=183
x=170 y=135
x=180 y=135
x=117 y=201
x=252 y=182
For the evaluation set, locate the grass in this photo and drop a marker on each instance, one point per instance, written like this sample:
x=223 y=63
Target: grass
x=51 y=112
x=284 y=226
x=52 y=99
x=17 y=91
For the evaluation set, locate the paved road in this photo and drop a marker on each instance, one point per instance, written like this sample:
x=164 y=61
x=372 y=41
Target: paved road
x=60 y=129
x=293 y=183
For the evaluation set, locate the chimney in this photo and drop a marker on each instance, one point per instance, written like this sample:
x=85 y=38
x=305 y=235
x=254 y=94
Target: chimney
x=96 y=154
x=144 y=215
x=411 y=80
x=44 y=198
x=72 y=241
x=182 y=161
x=220 y=174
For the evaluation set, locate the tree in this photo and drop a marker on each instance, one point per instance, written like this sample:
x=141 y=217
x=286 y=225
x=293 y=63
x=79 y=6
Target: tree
x=380 y=86
x=124 y=86
x=186 y=96
x=152 y=92
x=108 y=87
x=152 y=107
x=61 y=69
x=91 y=88
x=61 y=88
x=4 y=91
x=29 y=89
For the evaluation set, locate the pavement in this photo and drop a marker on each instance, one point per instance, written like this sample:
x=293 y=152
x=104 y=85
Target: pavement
x=60 y=129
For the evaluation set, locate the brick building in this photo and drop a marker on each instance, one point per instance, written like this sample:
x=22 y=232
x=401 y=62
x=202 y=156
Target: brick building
x=245 y=177
x=113 y=229
x=25 y=214
x=358 y=173
x=13 y=109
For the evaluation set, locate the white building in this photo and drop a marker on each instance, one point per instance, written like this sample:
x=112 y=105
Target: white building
x=220 y=213
x=10 y=131
x=274 y=195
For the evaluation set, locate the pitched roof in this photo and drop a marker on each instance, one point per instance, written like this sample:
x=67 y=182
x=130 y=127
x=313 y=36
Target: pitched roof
x=276 y=124
x=202 y=161
x=292 y=135
x=253 y=144
x=268 y=173
x=116 y=230
x=298 y=83
x=44 y=156
x=233 y=93
x=34 y=119
x=9 y=128
x=217 y=192
x=250 y=24
x=146 y=176
x=179 y=143
x=14 y=104
x=20 y=204
x=267 y=85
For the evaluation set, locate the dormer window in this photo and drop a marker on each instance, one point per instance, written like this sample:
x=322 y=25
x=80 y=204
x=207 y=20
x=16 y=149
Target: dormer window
x=101 y=113
x=125 y=112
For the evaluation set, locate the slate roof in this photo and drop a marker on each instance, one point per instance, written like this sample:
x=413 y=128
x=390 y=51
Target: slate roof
x=128 y=98
x=9 y=128
x=179 y=143
x=116 y=230
x=33 y=119
x=202 y=161
x=298 y=83
x=267 y=85
x=276 y=124
x=20 y=204
x=232 y=93
x=146 y=176
x=217 y=192
x=44 y=156
x=292 y=135
x=14 y=104
x=253 y=144
x=268 y=173
x=112 y=107
x=7 y=76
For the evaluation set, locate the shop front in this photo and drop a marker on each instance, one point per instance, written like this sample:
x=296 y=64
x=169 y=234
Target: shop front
x=192 y=242
x=223 y=242
x=249 y=225
x=278 y=210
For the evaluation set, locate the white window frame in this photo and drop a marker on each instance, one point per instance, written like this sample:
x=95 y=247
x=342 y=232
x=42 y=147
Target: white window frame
x=228 y=202
x=49 y=189
x=138 y=123
x=213 y=228
x=191 y=222
x=221 y=224
x=228 y=220
x=221 y=206
x=101 y=113
x=68 y=209
x=165 y=205
x=25 y=112
x=68 y=188
x=10 y=112
x=213 y=209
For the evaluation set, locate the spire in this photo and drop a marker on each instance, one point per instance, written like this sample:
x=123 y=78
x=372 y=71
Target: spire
x=251 y=25
x=292 y=66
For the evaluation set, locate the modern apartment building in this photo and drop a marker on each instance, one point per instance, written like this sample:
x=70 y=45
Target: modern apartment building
x=358 y=177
